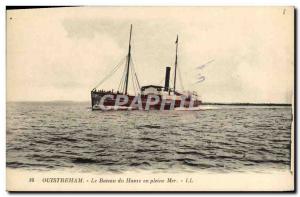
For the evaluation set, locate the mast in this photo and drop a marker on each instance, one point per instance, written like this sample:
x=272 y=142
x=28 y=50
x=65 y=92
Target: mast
x=176 y=42
x=128 y=61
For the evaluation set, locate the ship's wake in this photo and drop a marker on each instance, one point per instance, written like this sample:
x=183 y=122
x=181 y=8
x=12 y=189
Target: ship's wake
x=188 y=109
x=122 y=108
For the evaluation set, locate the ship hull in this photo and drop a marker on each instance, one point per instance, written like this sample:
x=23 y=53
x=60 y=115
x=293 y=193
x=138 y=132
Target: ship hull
x=144 y=102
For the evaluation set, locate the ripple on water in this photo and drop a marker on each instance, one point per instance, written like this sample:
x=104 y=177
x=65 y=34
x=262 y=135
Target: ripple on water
x=56 y=135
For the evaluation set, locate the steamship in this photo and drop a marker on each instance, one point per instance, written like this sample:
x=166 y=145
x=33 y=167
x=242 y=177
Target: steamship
x=169 y=97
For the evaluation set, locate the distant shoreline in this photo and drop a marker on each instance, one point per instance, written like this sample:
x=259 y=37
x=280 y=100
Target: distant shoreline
x=204 y=103
x=249 y=104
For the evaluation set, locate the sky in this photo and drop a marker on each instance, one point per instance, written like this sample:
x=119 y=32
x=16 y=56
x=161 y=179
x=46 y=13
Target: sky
x=63 y=53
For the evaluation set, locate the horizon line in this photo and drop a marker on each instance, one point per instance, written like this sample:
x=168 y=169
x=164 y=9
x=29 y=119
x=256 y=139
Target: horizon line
x=204 y=103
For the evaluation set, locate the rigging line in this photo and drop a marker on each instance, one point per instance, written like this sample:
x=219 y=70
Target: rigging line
x=135 y=84
x=179 y=75
x=136 y=77
x=120 y=87
x=172 y=74
x=137 y=80
x=180 y=78
x=133 y=71
x=109 y=75
x=131 y=59
x=132 y=78
x=124 y=79
x=124 y=82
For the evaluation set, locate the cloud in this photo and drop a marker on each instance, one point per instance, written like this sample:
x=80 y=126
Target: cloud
x=63 y=53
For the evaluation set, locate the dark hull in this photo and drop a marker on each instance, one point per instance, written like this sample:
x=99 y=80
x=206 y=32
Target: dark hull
x=96 y=97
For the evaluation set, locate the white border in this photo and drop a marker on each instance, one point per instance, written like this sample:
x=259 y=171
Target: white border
x=4 y=3
x=153 y=2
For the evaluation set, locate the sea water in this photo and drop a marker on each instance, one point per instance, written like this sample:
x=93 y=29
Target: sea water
x=69 y=135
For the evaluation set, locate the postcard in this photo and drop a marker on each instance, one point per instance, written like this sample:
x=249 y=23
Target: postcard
x=102 y=98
